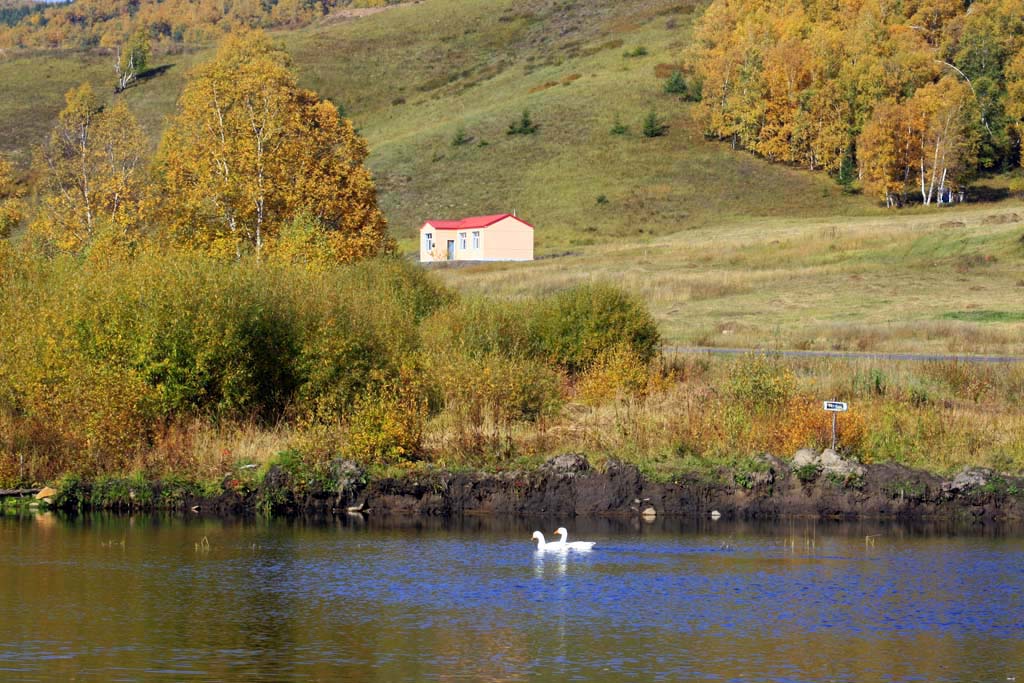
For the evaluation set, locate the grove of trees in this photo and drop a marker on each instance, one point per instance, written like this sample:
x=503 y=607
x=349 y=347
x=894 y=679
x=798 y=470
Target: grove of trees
x=251 y=164
x=107 y=23
x=913 y=97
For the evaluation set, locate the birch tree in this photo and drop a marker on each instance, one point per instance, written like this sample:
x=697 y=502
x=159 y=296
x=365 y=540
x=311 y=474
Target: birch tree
x=92 y=170
x=131 y=59
x=1015 y=97
x=947 y=142
x=248 y=151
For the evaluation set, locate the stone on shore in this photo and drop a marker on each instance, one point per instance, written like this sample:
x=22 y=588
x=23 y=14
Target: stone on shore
x=567 y=463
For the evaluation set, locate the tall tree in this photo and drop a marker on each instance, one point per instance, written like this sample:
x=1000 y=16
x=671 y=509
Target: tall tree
x=249 y=151
x=132 y=58
x=1015 y=99
x=947 y=143
x=92 y=171
x=885 y=149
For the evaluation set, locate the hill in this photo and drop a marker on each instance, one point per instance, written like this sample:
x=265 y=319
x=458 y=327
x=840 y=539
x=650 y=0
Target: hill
x=725 y=247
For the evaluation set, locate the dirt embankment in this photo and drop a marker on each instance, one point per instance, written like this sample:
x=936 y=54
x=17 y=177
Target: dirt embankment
x=812 y=485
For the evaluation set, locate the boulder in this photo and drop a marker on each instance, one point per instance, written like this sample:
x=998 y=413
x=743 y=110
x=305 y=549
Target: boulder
x=567 y=463
x=833 y=463
x=351 y=478
x=804 y=457
x=46 y=492
x=971 y=478
x=829 y=461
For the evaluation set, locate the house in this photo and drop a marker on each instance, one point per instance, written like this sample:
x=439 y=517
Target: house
x=501 y=237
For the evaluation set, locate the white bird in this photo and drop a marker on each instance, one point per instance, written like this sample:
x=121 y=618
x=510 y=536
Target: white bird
x=575 y=545
x=541 y=544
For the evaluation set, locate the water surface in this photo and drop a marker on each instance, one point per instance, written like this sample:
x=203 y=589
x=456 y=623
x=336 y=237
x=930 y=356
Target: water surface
x=144 y=598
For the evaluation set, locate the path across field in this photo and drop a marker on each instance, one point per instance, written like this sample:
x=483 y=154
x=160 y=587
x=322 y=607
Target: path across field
x=919 y=357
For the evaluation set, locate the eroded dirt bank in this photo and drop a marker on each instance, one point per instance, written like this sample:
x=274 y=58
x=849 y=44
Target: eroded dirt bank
x=811 y=485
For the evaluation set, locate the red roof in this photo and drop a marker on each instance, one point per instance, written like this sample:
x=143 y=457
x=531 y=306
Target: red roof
x=472 y=222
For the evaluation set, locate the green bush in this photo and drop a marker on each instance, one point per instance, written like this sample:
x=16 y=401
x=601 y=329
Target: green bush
x=574 y=327
x=105 y=354
x=761 y=384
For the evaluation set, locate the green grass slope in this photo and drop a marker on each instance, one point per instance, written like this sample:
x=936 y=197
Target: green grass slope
x=412 y=76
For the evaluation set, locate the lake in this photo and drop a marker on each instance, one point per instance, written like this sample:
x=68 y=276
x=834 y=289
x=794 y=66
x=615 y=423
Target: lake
x=109 y=598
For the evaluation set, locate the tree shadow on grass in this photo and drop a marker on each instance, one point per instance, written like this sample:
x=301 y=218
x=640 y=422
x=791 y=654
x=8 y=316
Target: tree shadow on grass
x=154 y=72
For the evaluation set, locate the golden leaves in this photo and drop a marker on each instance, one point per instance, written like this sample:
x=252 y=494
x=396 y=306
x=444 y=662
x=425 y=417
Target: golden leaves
x=249 y=152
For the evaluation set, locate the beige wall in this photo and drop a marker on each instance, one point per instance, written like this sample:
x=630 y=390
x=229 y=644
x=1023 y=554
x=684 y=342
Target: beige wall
x=506 y=240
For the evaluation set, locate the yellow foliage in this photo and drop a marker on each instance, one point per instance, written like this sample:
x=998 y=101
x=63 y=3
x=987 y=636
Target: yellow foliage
x=11 y=206
x=92 y=172
x=387 y=422
x=249 y=152
x=618 y=373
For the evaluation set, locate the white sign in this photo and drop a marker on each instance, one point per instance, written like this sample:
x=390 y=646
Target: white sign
x=835 y=406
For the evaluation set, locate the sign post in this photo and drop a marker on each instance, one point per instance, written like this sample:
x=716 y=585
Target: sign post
x=835 y=407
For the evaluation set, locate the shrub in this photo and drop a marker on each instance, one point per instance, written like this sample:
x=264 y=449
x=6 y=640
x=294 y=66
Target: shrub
x=461 y=138
x=105 y=355
x=618 y=373
x=524 y=126
x=618 y=128
x=387 y=420
x=575 y=326
x=760 y=384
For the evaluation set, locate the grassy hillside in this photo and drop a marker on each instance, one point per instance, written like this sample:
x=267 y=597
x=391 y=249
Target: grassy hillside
x=726 y=248
x=412 y=76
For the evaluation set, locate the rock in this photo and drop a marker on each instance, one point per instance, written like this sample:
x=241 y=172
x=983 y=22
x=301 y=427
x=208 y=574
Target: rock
x=46 y=492
x=970 y=478
x=567 y=463
x=715 y=514
x=829 y=461
x=350 y=476
x=804 y=457
x=833 y=463
x=649 y=513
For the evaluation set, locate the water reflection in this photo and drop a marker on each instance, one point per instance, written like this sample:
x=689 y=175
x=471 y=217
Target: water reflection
x=105 y=597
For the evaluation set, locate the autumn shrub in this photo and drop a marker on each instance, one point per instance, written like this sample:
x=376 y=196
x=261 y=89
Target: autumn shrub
x=805 y=424
x=99 y=357
x=573 y=327
x=387 y=421
x=618 y=373
x=761 y=384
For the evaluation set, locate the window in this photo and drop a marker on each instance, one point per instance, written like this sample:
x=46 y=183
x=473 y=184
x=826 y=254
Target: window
x=476 y=239
x=462 y=240
x=429 y=237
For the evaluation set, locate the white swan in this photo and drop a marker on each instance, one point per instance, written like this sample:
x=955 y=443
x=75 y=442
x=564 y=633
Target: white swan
x=541 y=544
x=575 y=545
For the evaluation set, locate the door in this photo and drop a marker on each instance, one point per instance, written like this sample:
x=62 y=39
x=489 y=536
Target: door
x=451 y=250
